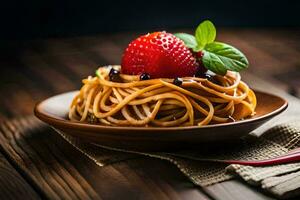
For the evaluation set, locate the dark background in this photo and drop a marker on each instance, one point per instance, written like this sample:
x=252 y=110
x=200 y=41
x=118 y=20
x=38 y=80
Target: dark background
x=52 y=18
x=40 y=57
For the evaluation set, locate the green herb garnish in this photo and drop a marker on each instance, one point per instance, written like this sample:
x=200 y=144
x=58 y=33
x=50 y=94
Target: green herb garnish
x=218 y=57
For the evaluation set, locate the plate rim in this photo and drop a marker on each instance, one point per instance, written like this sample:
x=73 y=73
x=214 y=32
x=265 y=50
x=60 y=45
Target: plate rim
x=85 y=126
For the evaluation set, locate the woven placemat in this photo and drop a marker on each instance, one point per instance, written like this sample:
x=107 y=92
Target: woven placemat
x=199 y=165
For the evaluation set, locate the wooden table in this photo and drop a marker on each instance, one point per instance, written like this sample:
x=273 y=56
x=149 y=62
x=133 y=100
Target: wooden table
x=48 y=167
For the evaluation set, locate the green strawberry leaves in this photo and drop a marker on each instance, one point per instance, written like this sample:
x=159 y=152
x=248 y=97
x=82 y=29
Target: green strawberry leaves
x=218 y=57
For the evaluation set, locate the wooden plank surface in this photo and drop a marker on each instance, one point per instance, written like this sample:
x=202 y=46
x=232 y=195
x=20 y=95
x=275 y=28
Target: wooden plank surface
x=235 y=190
x=33 y=70
x=12 y=185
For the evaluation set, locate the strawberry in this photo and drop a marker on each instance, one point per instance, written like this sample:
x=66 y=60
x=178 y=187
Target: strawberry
x=159 y=54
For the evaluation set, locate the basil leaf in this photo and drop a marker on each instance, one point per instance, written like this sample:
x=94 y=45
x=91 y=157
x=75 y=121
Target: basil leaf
x=205 y=33
x=188 y=39
x=220 y=57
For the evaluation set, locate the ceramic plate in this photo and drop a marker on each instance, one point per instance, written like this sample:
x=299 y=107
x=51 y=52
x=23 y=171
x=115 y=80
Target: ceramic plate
x=54 y=111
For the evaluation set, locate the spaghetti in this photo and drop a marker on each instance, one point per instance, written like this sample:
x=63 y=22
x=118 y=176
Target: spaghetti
x=159 y=102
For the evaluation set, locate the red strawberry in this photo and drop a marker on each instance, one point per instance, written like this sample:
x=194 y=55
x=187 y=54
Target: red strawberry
x=160 y=54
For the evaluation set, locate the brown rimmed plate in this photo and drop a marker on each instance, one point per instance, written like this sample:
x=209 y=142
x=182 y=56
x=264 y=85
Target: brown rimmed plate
x=54 y=111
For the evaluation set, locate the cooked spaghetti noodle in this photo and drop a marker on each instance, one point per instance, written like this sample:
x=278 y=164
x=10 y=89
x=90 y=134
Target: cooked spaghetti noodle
x=159 y=102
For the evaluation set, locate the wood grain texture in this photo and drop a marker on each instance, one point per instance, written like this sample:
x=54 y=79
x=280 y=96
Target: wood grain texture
x=12 y=184
x=33 y=70
x=235 y=190
x=43 y=170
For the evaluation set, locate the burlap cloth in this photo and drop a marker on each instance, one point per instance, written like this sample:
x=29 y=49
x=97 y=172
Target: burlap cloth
x=200 y=167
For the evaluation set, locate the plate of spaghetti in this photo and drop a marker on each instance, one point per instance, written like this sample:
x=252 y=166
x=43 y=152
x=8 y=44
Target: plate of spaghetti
x=171 y=90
